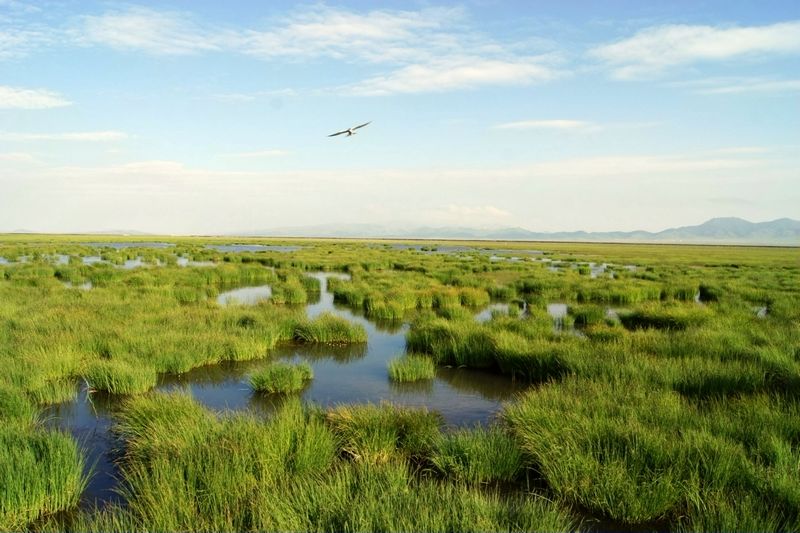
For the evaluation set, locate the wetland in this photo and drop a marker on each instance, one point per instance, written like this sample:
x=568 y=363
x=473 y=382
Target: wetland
x=188 y=384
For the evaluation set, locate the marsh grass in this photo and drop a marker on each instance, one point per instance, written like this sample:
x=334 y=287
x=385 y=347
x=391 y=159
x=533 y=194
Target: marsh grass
x=120 y=377
x=282 y=378
x=411 y=367
x=330 y=329
x=638 y=454
x=377 y=433
x=16 y=410
x=681 y=414
x=478 y=456
x=677 y=317
x=40 y=473
x=458 y=343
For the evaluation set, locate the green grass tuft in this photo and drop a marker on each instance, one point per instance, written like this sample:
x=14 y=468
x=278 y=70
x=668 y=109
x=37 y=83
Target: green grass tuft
x=330 y=329
x=411 y=367
x=282 y=378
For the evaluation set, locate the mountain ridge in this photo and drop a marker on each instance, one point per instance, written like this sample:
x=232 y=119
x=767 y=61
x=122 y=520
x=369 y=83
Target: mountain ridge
x=727 y=230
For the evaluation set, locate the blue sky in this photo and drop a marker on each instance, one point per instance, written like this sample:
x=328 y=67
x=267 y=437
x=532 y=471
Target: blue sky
x=212 y=117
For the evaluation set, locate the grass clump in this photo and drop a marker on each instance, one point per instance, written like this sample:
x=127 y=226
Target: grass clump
x=411 y=367
x=459 y=343
x=40 y=473
x=282 y=378
x=15 y=408
x=119 y=377
x=626 y=450
x=676 y=317
x=478 y=456
x=330 y=329
x=377 y=434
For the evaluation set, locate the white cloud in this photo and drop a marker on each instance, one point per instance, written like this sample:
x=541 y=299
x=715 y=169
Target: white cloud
x=17 y=157
x=466 y=215
x=258 y=154
x=454 y=73
x=82 y=136
x=376 y=36
x=428 y=50
x=743 y=150
x=738 y=85
x=624 y=191
x=477 y=211
x=774 y=86
x=556 y=124
x=19 y=98
x=653 y=50
x=154 y=32
x=253 y=96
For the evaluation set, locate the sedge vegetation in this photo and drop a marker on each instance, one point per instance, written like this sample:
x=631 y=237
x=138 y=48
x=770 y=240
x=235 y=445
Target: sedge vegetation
x=662 y=395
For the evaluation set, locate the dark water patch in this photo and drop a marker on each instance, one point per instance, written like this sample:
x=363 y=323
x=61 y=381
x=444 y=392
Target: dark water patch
x=253 y=248
x=342 y=374
x=89 y=419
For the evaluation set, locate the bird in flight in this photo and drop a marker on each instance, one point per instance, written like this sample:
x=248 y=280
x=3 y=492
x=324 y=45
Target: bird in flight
x=349 y=131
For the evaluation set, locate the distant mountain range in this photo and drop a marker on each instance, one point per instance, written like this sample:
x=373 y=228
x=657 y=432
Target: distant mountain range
x=730 y=230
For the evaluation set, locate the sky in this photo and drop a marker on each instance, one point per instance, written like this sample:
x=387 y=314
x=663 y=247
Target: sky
x=207 y=117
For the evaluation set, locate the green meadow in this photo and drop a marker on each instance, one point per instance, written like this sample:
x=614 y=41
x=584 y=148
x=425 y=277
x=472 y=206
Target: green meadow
x=667 y=398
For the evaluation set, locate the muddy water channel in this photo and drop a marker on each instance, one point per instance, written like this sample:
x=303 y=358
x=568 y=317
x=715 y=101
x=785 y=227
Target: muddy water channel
x=342 y=374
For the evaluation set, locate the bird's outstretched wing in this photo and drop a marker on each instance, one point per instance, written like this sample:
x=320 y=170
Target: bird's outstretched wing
x=337 y=133
x=362 y=125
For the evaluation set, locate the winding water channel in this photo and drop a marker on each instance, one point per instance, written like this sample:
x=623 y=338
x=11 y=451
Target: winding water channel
x=342 y=374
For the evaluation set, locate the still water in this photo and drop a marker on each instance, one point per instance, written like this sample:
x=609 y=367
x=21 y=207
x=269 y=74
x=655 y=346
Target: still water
x=342 y=374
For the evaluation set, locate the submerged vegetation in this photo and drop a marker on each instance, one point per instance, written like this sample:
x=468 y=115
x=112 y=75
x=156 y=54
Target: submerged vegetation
x=661 y=391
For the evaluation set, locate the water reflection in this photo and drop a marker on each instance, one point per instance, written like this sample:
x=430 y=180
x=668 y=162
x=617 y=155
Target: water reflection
x=245 y=295
x=486 y=314
x=89 y=420
x=342 y=374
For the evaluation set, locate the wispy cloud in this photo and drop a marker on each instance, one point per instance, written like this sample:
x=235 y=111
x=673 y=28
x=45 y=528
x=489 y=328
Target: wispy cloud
x=151 y=31
x=17 y=157
x=19 y=98
x=479 y=211
x=81 y=136
x=18 y=42
x=738 y=85
x=259 y=154
x=379 y=36
x=554 y=124
x=742 y=150
x=453 y=73
x=653 y=50
x=427 y=50
x=468 y=215
x=253 y=96
x=774 y=86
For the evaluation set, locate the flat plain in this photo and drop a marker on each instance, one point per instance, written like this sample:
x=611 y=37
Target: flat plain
x=196 y=384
